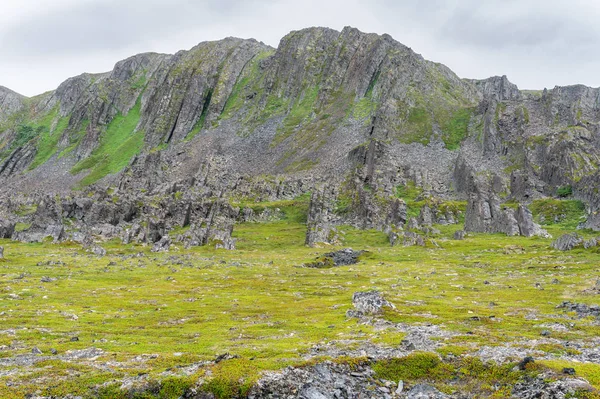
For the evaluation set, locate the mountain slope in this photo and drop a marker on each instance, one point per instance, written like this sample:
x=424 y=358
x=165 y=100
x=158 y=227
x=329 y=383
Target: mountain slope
x=324 y=105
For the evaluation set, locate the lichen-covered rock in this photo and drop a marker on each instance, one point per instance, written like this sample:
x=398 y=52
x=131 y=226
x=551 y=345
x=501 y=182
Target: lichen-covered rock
x=319 y=224
x=406 y=238
x=544 y=387
x=485 y=214
x=368 y=303
x=327 y=380
x=425 y=391
x=567 y=242
x=162 y=245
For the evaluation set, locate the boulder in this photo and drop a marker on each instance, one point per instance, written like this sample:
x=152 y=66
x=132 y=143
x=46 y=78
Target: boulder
x=425 y=391
x=567 y=242
x=162 y=245
x=343 y=257
x=406 y=238
x=319 y=224
x=368 y=303
x=459 y=235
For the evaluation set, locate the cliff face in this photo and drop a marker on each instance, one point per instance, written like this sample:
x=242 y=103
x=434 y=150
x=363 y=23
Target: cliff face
x=324 y=106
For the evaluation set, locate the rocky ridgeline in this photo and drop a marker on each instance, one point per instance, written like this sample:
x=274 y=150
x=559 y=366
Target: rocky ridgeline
x=347 y=115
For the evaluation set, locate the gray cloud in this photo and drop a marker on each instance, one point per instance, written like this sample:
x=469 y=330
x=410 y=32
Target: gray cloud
x=537 y=43
x=110 y=25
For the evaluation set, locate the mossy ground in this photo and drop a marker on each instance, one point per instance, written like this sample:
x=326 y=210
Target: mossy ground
x=257 y=302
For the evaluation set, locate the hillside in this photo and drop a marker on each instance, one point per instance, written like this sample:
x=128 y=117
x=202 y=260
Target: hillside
x=186 y=218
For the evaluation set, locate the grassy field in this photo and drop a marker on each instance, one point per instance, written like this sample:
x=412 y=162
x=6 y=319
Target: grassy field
x=151 y=314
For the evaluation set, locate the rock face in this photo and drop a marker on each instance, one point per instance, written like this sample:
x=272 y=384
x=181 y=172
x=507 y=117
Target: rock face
x=320 y=218
x=349 y=116
x=485 y=214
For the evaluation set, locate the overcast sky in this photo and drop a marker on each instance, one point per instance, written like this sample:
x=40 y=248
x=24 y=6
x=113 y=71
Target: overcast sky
x=536 y=43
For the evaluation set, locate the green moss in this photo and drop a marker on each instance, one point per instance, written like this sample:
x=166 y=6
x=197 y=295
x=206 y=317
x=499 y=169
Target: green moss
x=564 y=191
x=589 y=371
x=300 y=113
x=567 y=213
x=364 y=108
x=116 y=146
x=47 y=143
x=22 y=226
x=248 y=82
x=456 y=130
x=412 y=367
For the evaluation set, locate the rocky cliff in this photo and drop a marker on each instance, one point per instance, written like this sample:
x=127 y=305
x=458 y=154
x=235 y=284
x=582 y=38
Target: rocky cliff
x=237 y=119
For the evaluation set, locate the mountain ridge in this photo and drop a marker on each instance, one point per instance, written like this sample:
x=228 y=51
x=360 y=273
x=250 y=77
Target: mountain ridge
x=343 y=107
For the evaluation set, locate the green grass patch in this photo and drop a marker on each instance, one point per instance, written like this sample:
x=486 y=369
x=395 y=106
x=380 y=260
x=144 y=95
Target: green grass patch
x=566 y=213
x=457 y=128
x=118 y=144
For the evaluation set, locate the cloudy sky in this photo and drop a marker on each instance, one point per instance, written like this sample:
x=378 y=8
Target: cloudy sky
x=536 y=43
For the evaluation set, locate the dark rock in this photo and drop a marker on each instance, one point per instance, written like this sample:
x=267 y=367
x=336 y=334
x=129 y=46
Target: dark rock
x=523 y=363
x=568 y=371
x=7 y=229
x=342 y=257
x=581 y=309
x=36 y=351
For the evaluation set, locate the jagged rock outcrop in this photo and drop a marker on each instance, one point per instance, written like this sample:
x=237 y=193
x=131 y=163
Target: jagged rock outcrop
x=567 y=242
x=10 y=103
x=320 y=219
x=359 y=113
x=486 y=214
x=406 y=238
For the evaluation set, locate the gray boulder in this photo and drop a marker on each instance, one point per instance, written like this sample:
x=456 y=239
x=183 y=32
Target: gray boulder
x=319 y=224
x=567 y=242
x=425 y=391
x=459 y=235
x=369 y=303
x=162 y=245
